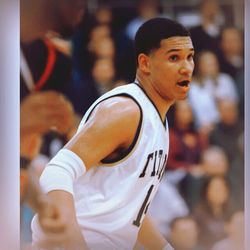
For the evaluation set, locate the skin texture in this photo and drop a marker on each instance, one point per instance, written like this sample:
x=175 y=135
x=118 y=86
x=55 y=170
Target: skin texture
x=114 y=121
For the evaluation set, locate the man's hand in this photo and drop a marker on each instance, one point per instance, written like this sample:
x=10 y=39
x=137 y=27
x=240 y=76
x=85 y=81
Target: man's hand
x=56 y=216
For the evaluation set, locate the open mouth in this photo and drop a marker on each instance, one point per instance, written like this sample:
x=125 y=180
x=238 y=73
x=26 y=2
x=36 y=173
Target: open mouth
x=183 y=83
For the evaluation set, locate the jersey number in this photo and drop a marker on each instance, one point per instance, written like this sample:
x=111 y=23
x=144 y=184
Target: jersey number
x=144 y=208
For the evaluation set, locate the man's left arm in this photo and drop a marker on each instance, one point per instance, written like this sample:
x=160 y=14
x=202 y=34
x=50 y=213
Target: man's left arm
x=151 y=238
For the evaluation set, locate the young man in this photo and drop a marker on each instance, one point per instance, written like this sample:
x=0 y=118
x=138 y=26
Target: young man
x=106 y=176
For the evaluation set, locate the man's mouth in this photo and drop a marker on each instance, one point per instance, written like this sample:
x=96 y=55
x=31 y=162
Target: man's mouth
x=183 y=83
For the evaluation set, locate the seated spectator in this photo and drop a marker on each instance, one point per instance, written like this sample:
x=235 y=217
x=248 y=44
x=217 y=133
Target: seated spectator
x=103 y=15
x=226 y=134
x=235 y=233
x=103 y=48
x=146 y=9
x=184 y=233
x=103 y=75
x=212 y=210
x=209 y=85
x=213 y=162
x=206 y=35
x=231 y=44
x=97 y=33
x=228 y=130
x=186 y=143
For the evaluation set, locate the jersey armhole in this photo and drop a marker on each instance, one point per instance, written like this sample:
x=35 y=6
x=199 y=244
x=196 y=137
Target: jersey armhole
x=126 y=152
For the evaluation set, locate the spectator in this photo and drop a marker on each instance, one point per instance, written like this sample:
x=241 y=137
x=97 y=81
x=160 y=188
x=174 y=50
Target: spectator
x=228 y=130
x=209 y=86
x=146 y=9
x=213 y=162
x=235 y=233
x=37 y=109
x=212 y=210
x=103 y=15
x=231 y=44
x=184 y=233
x=186 y=142
x=103 y=74
x=226 y=134
x=206 y=35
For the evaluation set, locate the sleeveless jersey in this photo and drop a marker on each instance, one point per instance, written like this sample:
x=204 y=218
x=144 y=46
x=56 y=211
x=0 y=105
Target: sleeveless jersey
x=112 y=199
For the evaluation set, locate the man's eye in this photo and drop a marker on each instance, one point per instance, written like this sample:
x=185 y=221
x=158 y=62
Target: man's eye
x=173 y=58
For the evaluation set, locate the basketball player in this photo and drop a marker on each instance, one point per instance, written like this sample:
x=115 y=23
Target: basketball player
x=106 y=176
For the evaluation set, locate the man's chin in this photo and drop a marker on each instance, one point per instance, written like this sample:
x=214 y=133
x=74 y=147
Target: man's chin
x=182 y=97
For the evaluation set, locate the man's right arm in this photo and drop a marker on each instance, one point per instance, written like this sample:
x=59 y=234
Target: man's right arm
x=113 y=124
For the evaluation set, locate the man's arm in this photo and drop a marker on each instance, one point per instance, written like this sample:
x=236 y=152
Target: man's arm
x=151 y=238
x=111 y=126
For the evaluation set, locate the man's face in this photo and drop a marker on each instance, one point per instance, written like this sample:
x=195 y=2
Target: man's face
x=171 y=68
x=67 y=15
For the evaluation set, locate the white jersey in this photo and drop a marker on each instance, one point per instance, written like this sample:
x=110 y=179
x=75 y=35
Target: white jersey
x=112 y=199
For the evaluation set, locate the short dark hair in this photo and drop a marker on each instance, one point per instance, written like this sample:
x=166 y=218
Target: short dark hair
x=149 y=35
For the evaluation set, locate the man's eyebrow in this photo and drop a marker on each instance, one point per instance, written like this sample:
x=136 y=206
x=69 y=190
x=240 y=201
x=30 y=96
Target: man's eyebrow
x=176 y=50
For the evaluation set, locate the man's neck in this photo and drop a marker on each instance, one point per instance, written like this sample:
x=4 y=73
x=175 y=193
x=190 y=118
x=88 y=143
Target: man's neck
x=161 y=103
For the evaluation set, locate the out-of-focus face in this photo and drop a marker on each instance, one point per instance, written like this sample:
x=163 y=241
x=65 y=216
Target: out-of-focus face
x=214 y=162
x=183 y=113
x=170 y=67
x=103 y=16
x=66 y=14
x=184 y=234
x=228 y=112
x=210 y=9
x=103 y=71
x=104 y=48
x=208 y=65
x=215 y=197
x=231 y=42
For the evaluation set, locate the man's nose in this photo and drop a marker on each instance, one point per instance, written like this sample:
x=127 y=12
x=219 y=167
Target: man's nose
x=187 y=68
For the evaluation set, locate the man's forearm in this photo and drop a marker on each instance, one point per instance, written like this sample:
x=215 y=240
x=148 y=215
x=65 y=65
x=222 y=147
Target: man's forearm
x=150 y=237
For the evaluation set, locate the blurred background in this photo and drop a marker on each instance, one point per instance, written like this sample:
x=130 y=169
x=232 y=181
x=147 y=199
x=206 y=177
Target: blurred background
x=200 y=203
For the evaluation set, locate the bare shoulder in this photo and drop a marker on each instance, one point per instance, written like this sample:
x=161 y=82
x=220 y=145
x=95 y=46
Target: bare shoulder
x=111 y=125
x=117 y=110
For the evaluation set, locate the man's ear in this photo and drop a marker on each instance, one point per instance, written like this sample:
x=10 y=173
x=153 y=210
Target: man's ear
x=144 y=63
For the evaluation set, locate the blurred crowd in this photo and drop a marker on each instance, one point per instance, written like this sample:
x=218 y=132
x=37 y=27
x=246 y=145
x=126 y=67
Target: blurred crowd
x=200 y=203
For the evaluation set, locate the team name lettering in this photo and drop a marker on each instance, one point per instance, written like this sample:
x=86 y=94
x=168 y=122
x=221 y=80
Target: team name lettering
x=155 y=164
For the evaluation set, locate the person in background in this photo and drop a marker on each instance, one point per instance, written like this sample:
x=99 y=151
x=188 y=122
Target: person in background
x=147 y=9
x=39 y=111
x=226 y=135
x=211 y=212
x=206 y=35
x=232 y=57
x=209 y=86
x=187 y=143
x=214 y=162
x=234 y=227
x=184 y=233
